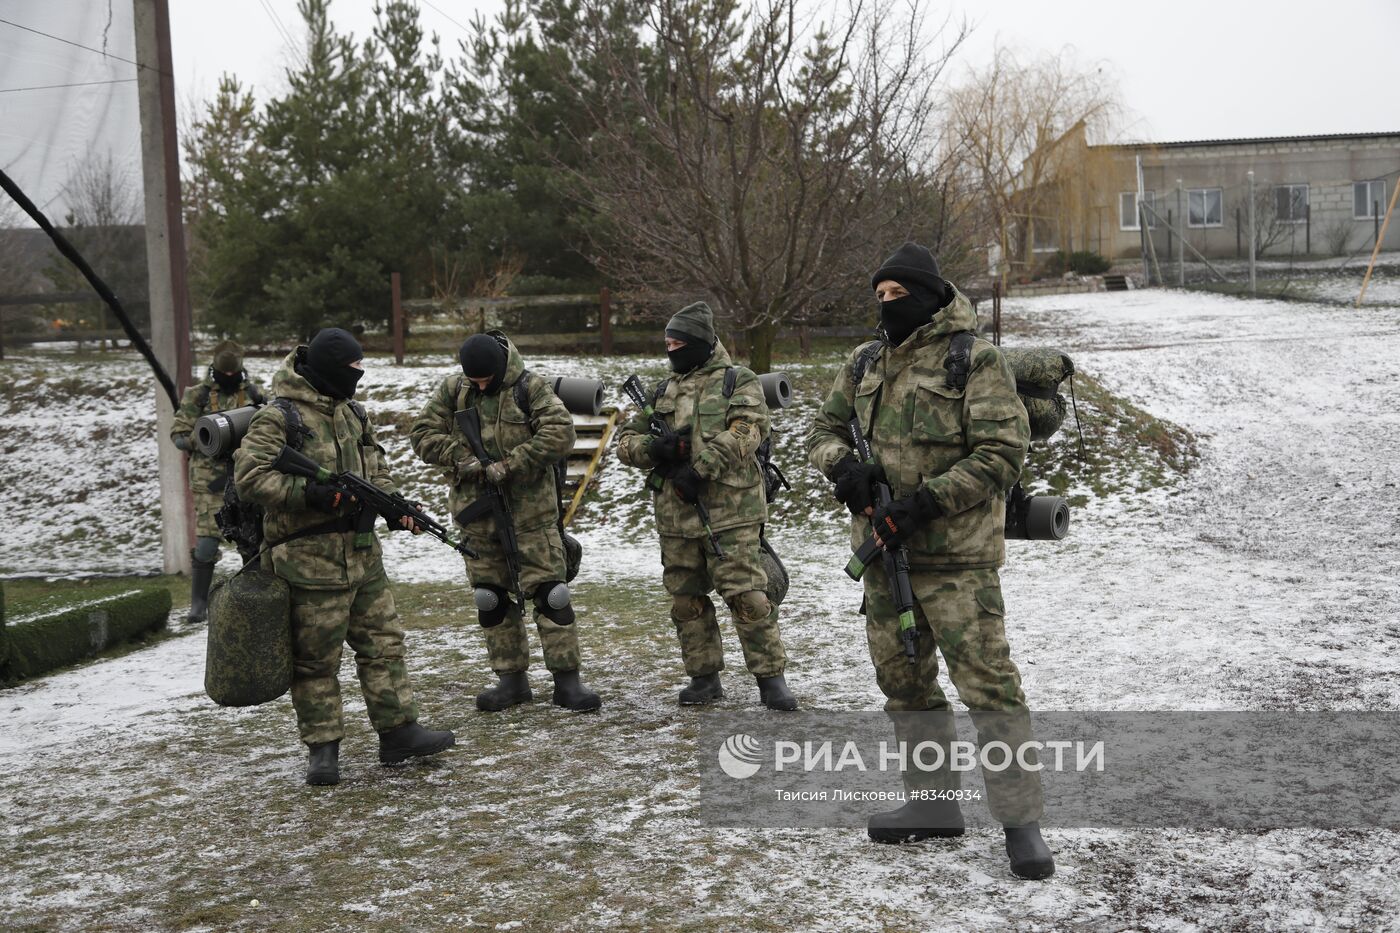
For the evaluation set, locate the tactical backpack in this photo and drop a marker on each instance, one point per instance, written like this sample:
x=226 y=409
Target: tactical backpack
x=1038 y=371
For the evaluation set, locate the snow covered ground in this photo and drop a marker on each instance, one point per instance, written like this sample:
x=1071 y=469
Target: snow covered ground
x=1265 y=580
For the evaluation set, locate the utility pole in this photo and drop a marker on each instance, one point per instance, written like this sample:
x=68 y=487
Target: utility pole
x=165 y=265
x=1249 y=208
x=1181 y=240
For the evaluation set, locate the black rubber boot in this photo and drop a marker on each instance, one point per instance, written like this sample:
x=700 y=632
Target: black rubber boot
x=411 y=740
x=201 y=575
x=513 y=689
x=774 y=693
x=324 y=764
x=1030 y=856
x=917 y=819
x=570 y=693
x=703 y=689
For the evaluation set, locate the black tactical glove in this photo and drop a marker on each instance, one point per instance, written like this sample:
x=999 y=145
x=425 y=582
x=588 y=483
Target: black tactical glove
x=894 y=523
x=671 y=448
x=853 y=481
x=687 y=484
x=325 y=498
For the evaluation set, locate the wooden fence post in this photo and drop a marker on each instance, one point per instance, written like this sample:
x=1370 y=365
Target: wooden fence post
x=605 y=319
x=398 y=317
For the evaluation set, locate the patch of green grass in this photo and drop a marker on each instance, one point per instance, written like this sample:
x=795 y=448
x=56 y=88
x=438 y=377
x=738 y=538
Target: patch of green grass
x=30 y=595
x=1126 y=449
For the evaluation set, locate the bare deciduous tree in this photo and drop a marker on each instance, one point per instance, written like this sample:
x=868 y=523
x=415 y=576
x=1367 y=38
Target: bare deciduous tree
x=761 y=157
x=1024 y=132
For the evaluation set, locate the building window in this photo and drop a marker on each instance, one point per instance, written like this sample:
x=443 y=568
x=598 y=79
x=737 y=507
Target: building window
x=1291 y=203
x=1204 y=207
x=1128 y=213
x=1369 y=197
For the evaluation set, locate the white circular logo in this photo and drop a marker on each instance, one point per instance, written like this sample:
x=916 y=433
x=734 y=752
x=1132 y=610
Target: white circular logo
x=738 y=756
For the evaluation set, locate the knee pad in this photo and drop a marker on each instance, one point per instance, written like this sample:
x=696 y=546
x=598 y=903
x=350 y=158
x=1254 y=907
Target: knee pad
x=206 y=549
x=492 y=605
x=552 y=601
x=752 y=606
x=687 y=608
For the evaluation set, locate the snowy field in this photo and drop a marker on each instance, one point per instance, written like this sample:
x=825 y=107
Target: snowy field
x=1265 y=580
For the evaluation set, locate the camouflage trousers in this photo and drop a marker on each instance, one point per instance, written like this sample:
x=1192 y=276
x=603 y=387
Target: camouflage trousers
x=691 y=571
x=206 y=506
x=962 y=614
x=322 y=622
x=541 y=561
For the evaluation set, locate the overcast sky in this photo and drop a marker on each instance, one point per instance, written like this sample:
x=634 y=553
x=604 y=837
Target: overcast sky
x=1190 y=69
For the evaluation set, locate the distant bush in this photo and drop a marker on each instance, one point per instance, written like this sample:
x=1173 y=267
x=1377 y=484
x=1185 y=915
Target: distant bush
x=1080 y=262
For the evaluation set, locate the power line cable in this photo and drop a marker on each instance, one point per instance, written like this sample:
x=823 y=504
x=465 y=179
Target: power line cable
x=444 y=15
x=79 y=45
x=49 y=87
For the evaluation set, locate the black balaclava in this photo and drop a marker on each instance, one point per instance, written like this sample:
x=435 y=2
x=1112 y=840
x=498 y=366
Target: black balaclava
x=693 y=354
x=482 y=355
x=900 y=317
x=914 y=267
x=328 y=360
x=228 y=382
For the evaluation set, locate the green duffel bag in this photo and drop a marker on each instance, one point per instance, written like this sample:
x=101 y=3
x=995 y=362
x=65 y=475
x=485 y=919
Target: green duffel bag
x=249 y=658
x=775 y=571
x=1039 y=372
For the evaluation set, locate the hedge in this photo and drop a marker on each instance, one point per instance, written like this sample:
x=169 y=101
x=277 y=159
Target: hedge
x=40 y=643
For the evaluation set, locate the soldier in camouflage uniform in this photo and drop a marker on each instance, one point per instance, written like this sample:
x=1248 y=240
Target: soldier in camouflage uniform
x=225 y=386
x=316 y=543
x=949 y=452
x=711 y=458
x=525 y=442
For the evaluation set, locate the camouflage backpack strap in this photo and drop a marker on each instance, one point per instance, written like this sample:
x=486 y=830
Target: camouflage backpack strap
x=661 y=388
x=959 y=361
x=865 y=357
x=297 y=432
x=363 y=415
x=522 y=393
x=731 y=376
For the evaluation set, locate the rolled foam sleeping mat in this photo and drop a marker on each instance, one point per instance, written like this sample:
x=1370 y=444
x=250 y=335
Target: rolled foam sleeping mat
x=777 y=389
x=218 y=433
x=580 y=396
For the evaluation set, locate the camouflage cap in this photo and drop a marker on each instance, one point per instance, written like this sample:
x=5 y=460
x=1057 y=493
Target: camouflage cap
x=693 y=322
x=228 y=357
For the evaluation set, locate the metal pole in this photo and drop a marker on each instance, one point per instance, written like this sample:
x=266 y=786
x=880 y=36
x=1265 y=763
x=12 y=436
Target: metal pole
x=397 y=299
x=1181 y=240
x=1307 y=227
x=605 y=319
x=1376 y=213
x=1250 y=208
x=996 y=312
x=1142 y=226
x=165 y=265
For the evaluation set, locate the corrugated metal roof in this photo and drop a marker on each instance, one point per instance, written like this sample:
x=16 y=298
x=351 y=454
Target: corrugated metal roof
x=1256 y=140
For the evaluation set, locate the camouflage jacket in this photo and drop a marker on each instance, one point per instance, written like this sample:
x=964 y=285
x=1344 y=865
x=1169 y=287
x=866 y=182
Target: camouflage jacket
x=205 y=472
x=724 y=435
x=966 y=446
x=338 y=440
x=530 y=445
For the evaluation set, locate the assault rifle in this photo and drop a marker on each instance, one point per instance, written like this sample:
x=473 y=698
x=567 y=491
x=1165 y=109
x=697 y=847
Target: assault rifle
x=392 y=506
x=493 y=503
x=896 y=561
x=656 y=480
